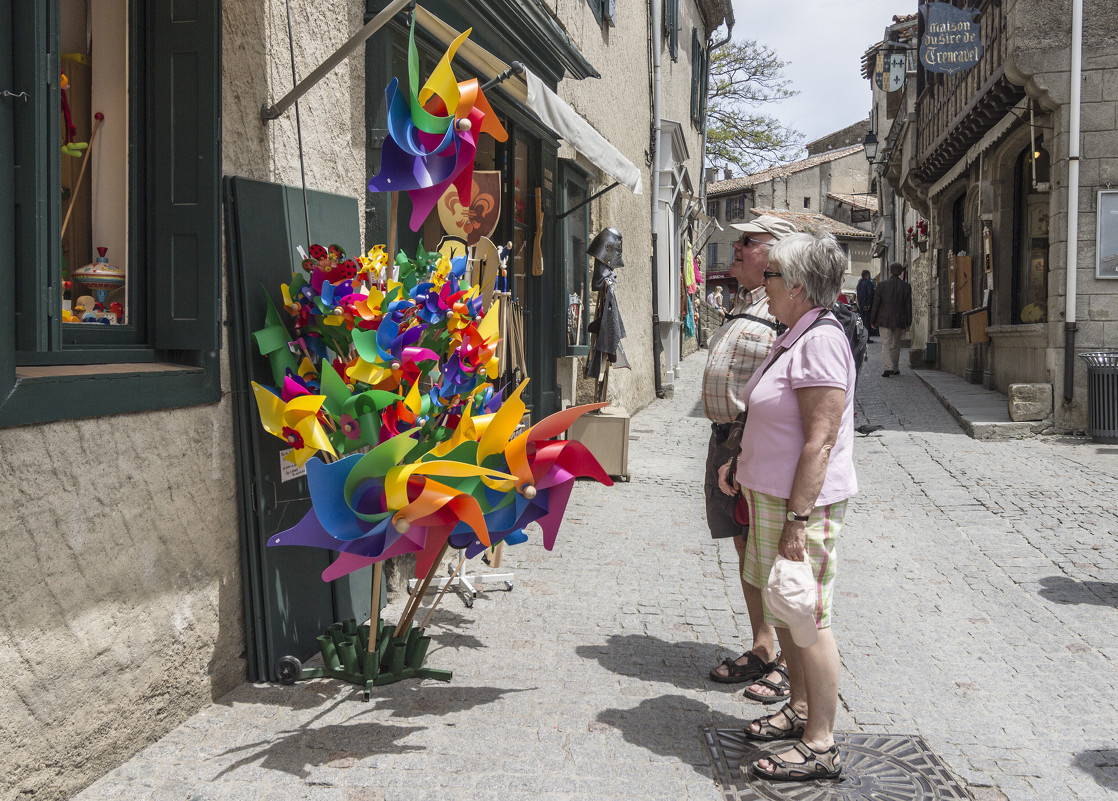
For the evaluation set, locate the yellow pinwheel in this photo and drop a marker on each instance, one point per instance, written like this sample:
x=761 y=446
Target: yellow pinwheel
x=296 y=422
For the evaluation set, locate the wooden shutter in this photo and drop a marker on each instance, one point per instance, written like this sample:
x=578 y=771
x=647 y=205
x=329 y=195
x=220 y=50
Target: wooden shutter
x=596 y=6
x=671 y=27
x=183 y=162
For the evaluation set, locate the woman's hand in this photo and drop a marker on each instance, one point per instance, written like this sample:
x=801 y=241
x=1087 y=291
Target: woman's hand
x=726 y=483
x=793 y=541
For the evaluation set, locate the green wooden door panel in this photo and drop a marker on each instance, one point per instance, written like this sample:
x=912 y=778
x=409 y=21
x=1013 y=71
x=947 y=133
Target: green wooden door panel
x=288 y=604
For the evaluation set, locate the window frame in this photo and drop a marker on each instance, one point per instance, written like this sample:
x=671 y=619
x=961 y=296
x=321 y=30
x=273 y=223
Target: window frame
x=168 y=354
x=571 y=173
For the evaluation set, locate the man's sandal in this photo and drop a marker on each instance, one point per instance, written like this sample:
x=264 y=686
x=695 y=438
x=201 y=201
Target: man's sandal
x=816 y=765
x=754 y=668
x=781 y=690
x=767 y=732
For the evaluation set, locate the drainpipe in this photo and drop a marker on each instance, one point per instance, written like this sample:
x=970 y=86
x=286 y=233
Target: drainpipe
x=657 y=346
x=1073 y=199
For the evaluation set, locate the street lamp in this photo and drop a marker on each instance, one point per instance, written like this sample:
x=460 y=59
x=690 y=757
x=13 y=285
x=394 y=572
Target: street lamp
x=870 y=145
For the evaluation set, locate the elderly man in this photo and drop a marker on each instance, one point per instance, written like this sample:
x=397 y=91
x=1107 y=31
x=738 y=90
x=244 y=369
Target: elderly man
x=735 y=351
x=891 y=314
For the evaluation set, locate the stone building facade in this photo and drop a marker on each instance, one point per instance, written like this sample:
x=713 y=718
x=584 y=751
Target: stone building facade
x=820 y=189
x=125 y=576
x=984 y=158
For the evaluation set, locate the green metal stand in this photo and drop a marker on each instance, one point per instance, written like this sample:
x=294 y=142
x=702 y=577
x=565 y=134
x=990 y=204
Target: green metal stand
x=346 y=656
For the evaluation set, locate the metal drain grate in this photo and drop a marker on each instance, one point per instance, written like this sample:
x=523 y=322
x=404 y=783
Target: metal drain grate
x=883 y=767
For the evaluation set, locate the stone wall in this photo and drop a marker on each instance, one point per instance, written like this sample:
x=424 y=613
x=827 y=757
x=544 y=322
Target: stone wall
x=1039 y=33
x=121 y=574
x=621 y=55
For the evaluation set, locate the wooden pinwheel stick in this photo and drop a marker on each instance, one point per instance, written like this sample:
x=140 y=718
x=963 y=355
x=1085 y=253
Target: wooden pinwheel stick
x=417 y=596
x=99 y=118
x=442 y=592
x=393 y=214
x=374 y=616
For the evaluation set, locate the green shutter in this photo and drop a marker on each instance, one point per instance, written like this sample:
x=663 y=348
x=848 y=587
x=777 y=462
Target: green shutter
x=671 y=25
x=7 y=204
x=596 y=6
x=35 y=170
x=183 y=162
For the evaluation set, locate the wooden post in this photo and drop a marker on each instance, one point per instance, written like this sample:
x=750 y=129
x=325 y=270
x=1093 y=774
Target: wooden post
x=413 y=605
x=442 y=592
x=374 y=615
x=393 y=213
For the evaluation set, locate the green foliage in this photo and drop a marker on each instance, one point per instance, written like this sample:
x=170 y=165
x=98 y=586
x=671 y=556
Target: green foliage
x=743 y=77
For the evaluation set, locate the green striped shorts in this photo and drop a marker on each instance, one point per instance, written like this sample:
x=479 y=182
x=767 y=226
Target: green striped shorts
x=766 y=522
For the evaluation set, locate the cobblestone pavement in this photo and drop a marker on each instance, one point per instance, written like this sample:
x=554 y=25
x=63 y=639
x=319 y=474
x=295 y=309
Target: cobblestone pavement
x=976 y=608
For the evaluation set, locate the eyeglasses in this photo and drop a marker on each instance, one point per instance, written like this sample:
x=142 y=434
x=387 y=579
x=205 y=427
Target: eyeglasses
x=746 y=241
x=767 y=274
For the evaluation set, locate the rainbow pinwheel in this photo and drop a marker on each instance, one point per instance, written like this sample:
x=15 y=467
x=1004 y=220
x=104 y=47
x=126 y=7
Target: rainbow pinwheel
x=432 y=134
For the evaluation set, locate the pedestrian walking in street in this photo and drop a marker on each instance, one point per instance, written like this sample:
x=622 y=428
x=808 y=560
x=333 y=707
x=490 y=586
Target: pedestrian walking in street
x=891 y=314
x=734 y=352
x=796 y=468
x=865 y=292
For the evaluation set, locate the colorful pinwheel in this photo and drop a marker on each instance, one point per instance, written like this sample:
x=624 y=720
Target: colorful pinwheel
x=432 y=134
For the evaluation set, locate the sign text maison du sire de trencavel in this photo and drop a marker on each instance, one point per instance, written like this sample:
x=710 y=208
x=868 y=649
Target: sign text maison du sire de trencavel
x=951 y=40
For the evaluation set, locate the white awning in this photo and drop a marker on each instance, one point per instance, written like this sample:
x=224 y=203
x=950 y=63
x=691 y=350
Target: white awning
x=552 y=110
x=579 y=134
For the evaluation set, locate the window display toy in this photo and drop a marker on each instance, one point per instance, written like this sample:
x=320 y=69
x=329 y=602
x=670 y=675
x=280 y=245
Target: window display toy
x=98 y=118
x=100 y=276
x=69 y=146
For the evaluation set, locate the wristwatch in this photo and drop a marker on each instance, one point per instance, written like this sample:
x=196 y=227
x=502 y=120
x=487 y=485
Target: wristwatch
x=792 y=517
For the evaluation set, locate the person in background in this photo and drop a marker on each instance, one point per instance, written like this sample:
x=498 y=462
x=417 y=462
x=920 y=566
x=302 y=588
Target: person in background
x=734 y=352
x=891 y=314
x=714 y=298
x=865 y=300
x=796 y=468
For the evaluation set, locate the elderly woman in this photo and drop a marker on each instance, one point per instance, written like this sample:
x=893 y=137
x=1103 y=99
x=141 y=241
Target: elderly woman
x=796 y=471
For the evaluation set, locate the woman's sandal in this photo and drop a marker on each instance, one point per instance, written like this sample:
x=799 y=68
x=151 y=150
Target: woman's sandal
x=767 y=732
x=782 y=689
x=754 y=668
x=816 y=765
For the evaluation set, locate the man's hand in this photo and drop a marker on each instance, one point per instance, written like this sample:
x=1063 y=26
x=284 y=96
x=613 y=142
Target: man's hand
x=727 y=483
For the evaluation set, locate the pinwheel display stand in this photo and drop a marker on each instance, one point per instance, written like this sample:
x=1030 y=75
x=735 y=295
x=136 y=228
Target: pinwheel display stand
x=346 y=656
x=467 y=582
x=399 y=392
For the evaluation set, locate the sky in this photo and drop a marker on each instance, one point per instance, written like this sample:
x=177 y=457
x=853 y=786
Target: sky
x=824 y=41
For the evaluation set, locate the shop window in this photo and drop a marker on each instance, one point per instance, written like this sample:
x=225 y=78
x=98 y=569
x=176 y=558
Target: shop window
x=1030 y=261
x=112 y=145
x=576 y=265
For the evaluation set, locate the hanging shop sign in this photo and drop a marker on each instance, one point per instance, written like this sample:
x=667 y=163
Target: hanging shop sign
x=477 y=219
x=890 y=71
x=951 y=41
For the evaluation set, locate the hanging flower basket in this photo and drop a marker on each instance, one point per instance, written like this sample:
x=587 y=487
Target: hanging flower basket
x=917 y=236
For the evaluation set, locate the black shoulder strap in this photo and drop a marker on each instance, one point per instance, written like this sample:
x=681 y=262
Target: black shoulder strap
x=775 y=326
x=830 y=320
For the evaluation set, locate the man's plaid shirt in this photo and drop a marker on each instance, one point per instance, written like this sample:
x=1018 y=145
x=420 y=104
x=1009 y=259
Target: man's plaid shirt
x=734 y=352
